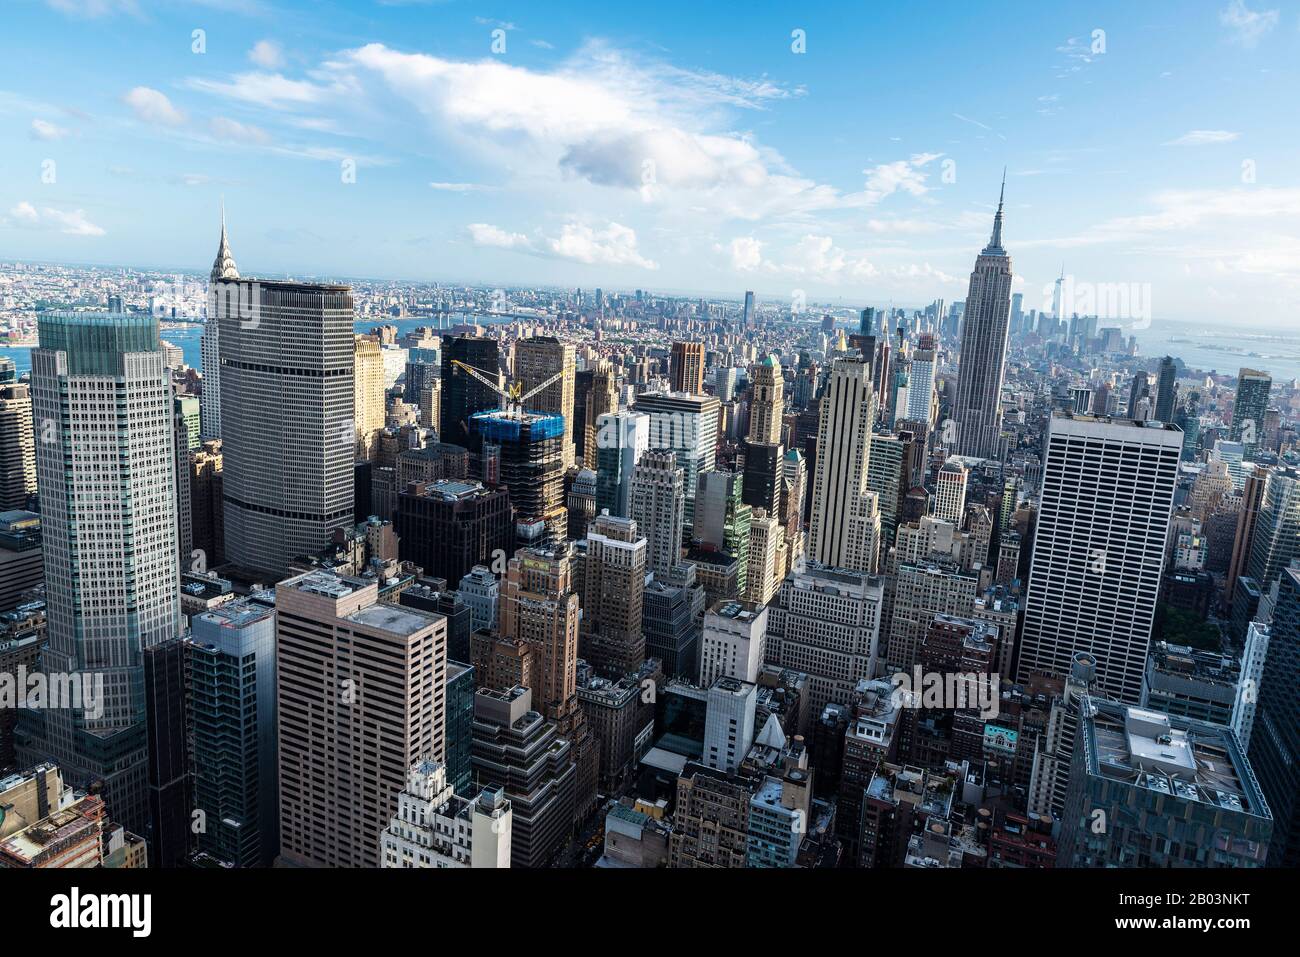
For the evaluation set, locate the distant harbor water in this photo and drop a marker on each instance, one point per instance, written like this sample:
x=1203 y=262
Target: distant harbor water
x=1208 y=348
x=188 y=339
x=1225 y=351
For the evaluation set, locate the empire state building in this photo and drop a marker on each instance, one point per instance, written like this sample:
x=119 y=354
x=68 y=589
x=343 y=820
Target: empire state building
x=977 y=412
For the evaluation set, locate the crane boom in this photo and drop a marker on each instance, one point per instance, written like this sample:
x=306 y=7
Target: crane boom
x=532 y=392
x=465 y=367
x=510 y=397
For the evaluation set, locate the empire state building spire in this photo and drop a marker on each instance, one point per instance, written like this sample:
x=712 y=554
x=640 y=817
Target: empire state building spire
x=995 y=243
x=224 y=266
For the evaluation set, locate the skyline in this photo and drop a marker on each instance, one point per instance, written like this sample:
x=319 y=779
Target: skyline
x=529 y=165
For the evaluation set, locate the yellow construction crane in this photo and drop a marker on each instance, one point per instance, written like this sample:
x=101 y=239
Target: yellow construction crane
x=512 y=396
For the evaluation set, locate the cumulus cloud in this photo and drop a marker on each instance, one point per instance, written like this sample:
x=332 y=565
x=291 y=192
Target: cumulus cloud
x=599 y=118
x=71 y=223
x=746 y=253
x=153 y=106
x=610 y=245
x=485 y=234
x=267 y=54
x=907 y=176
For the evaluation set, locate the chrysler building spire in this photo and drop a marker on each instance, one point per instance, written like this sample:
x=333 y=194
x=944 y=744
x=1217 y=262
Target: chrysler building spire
x=224 y=266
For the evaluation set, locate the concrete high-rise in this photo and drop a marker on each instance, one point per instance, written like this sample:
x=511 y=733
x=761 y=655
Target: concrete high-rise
x=613 y=592
x=368 y=394
x=108 y=523
x=361 y=696
x=977 y=410
x=287 y=400
x=767 y=405
x=17 y=445
x=826 y=622
x=688 y=367
x=1099 y=548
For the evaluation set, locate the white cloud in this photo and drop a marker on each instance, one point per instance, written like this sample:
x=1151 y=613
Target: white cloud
x=600 y=118
x=906 y=175
x=485 y=234
x=457 y=187
x=746 y=254
x=1203 y=138
x=72 y=223
x=94 y=8
x=272 y=90
x=1245 y=25
x=611 y=245
x=45 y=130
x=153 y=107
x=224 y=128
x=267 y=54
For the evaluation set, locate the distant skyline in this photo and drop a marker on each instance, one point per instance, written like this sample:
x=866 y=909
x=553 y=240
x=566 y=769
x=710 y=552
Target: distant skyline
x=698 y=153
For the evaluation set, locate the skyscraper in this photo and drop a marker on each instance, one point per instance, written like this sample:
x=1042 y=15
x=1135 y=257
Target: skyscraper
x=844 y=530
x=17 y=444
x=462 y=394
x=536 y=360
x=657 y=506
x=621 y=438
x=749 y=319
x=688 y=367
x=688 y=426
x=523 y=451
x=1099 y=548
x=978 y=407
x=1248 y=411
x=1275 y=737
x=108 y=520
x=767 y=405
x=613 y=592
x=287 y=414
x=1275 y=539
x=368 y=392
x=1166 y=390
x=1168 y=792
x=233 y=713
x=361 y=696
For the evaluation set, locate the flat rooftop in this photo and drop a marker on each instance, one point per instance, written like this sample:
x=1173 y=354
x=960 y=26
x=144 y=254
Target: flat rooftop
x=394 y=619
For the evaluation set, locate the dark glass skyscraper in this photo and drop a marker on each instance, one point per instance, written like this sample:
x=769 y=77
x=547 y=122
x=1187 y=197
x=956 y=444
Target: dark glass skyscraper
x=1275 y=739
x=977 y=411
x=462 y=394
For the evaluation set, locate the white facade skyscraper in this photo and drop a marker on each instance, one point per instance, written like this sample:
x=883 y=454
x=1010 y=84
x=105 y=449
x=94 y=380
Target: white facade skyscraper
x=950 y=493
x=844 y=530
x=688 y=426
x=977 y=410
x=102 y=402
x=1099 y=548
x=657 y=506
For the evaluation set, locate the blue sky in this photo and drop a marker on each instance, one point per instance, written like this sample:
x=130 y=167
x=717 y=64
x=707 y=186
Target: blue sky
x=674 y=147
